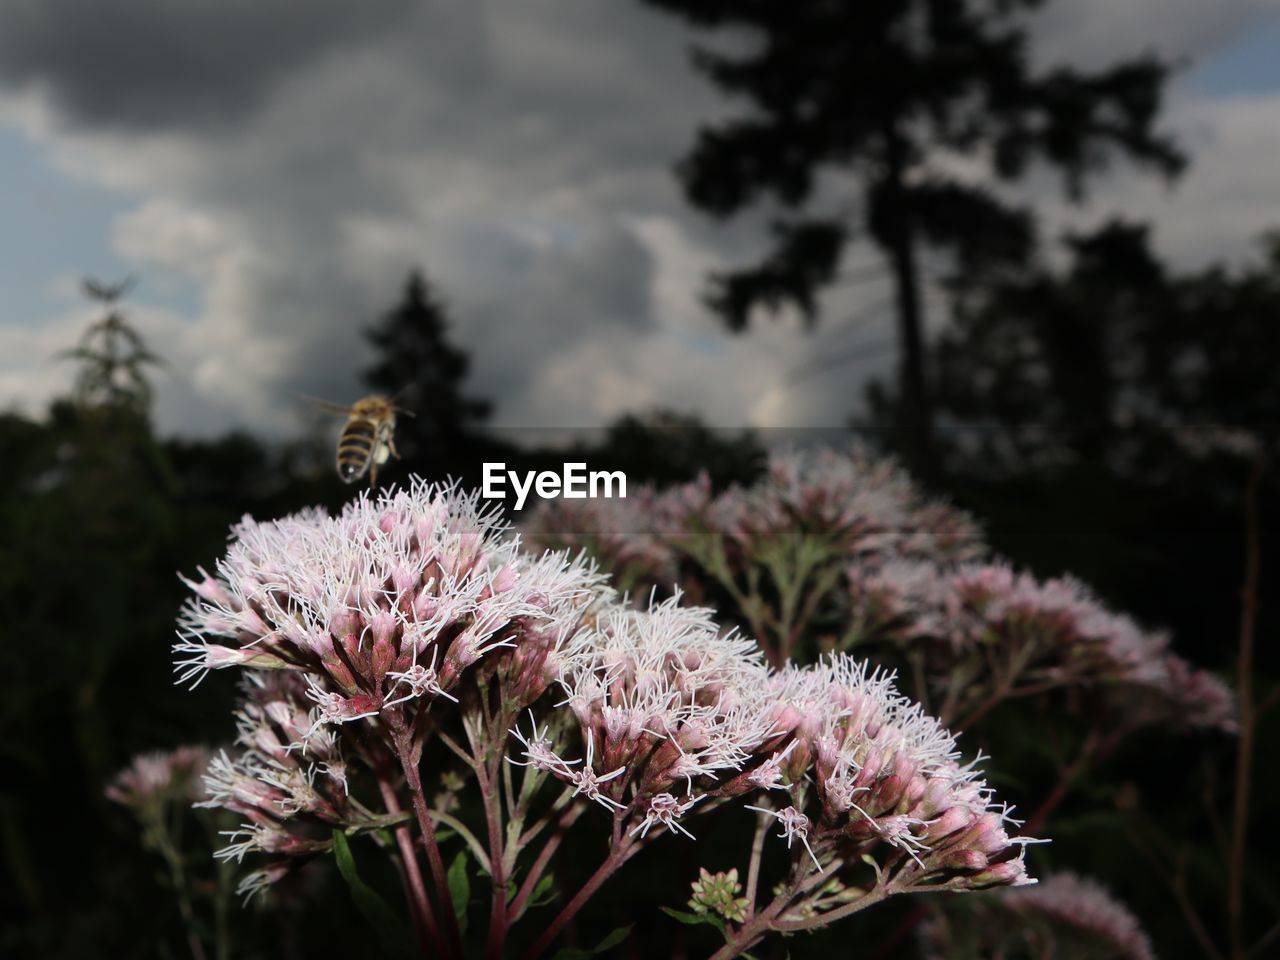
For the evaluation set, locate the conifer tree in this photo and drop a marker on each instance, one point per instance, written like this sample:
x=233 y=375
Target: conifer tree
x=897 y=95
x=418 y=366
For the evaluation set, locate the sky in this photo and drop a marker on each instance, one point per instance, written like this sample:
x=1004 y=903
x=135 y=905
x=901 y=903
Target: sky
x=270 y=172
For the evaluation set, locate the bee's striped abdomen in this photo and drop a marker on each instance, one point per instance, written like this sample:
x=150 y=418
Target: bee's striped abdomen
x=355 y=448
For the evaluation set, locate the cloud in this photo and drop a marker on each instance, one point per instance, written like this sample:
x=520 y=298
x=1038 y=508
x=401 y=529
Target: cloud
x=1217 y=210
x=519 y=151
x=511 y=149
x=1096 y=33
x=155 y=63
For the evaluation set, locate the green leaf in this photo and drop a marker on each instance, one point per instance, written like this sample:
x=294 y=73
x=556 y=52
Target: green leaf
x=871 y=862
x=608 y=943
x=460 y=888
x=613 y=939
x=695 y=919
x=542 y=891
x=391 y=930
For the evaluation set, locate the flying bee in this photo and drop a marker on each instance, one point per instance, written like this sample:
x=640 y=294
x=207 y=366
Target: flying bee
x=368 y=438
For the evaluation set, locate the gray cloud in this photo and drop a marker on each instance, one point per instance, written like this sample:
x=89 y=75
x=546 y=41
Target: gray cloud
x=1094 y=33
x=150 y=63
x=519 y=151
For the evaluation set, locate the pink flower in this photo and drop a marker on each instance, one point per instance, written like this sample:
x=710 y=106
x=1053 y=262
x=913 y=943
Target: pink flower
x=1085 y=905
x=156 y=778
x=390 y=601
x=1065 y=916
x=1058 y=632
x=884 y=772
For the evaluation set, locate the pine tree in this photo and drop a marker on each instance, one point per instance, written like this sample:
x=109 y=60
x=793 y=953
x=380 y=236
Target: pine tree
x=418 y=366
x=885 y=90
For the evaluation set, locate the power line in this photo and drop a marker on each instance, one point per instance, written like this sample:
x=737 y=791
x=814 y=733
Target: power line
x=852 y=278
x=861 y=352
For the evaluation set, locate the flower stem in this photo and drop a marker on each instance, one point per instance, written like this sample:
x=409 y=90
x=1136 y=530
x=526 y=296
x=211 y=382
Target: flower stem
x=873 y=896
x=409 y=756
x=1065 y=779
x=162 y=839
x=759 y=925
x=1244 y=691
x=754 y=930
x=424 y=921
x=753 y=867
x=618 y=855
x=489 y=787
x=539 y=866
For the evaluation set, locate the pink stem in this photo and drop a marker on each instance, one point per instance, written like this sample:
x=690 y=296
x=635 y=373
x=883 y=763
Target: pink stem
x=621 y=851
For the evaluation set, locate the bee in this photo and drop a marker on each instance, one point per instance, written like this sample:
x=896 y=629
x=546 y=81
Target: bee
x=367 y=439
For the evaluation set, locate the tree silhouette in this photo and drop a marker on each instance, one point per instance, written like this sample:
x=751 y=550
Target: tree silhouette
x=1113 y=359
x=112 y=356
x=900 y=94
x=418 y=366
x=666 y=447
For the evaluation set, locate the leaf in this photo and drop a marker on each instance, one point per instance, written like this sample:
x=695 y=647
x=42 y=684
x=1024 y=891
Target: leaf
x=542 y=891
x=613 y=939
x=608 y=943
x=695 y=919
x=391 y=930
x=460 y=888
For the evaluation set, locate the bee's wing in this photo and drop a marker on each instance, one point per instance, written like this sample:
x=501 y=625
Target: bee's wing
x=399 y=395
x=325 y=404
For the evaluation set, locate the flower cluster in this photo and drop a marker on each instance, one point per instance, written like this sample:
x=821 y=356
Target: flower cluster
x=384 y=645
x=391 y=654
x=1065 y=916
x=718 y=893
x=867 y=767
x=390 y=606
x=1054 y=630
x=391 y=601
x=287 y=778
x=154 y=779
x=867 y=505
x=665 y=705
x=674 y=714
x=798 y=528
x=622 y=534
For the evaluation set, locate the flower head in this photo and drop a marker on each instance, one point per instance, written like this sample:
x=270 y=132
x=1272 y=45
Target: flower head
x=1065 y=916
x=718 y=893
x=666 y=695
x=286 y=774
x=153 y=779
x=1060 y=633
x=883 y=772
x=390 y=601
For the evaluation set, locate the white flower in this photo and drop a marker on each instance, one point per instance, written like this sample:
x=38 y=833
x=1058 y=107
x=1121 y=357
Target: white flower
x=538 y=751
x=587 y=782
x=794 y=825
x=666 y=810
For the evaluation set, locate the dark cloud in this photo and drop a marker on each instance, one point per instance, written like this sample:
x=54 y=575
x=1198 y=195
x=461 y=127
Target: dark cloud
x=154 y=63
x=295 y=158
